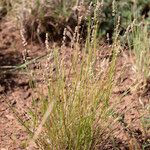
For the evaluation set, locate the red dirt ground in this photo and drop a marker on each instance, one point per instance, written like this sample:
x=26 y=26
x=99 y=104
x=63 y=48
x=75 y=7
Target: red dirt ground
x=14 y=87
x=15 y=91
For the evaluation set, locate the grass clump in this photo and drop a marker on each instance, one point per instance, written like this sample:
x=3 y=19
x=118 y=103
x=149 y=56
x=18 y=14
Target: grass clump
x=76 y=113
x=80 y=115
x=141 y=47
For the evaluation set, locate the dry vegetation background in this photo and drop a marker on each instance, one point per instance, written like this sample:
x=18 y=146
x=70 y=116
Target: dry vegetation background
x=75 y=74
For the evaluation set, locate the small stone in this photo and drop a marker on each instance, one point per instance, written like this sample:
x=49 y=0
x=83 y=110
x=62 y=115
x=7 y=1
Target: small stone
x=3 y=149
x=26 y=95
x=14 y=102
x=10 y=117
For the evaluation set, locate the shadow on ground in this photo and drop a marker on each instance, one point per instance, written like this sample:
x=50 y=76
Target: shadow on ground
x=7 y=78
